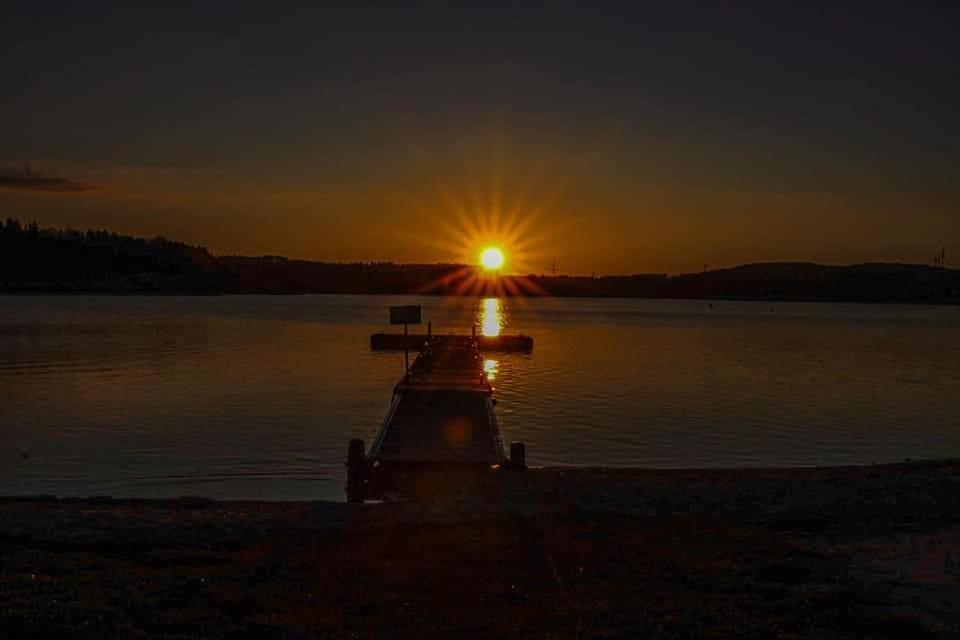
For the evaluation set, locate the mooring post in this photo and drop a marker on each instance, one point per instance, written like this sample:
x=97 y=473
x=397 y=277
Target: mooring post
x=429 y=329
x=518 y=455
x=356 y=471
x=406 y=354
x=473 y=332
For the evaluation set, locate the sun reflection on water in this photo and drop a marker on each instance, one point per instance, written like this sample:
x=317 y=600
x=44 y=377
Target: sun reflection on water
x=490 y=367
x=491 y=317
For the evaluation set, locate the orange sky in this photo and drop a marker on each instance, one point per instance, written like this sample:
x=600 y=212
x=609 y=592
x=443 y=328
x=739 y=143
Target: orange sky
x=588 y=223
x=612 y=140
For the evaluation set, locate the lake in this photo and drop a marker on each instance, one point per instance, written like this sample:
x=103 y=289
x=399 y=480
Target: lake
x=257 y=396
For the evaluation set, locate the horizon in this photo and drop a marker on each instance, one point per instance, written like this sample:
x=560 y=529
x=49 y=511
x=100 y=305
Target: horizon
x=621 y=140
x=505 y=273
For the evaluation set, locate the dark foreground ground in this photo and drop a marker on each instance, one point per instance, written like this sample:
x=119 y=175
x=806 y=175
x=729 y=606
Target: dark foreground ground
x=865 y=552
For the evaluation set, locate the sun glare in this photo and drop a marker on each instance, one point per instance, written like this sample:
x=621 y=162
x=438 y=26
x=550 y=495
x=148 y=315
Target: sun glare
x=491 y=258
x=491 y=242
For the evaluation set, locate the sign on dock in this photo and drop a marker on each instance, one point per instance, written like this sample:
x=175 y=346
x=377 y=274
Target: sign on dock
x=405 y=314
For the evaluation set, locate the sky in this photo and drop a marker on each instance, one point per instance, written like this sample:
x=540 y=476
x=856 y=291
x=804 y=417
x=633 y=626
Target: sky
x=656 y=137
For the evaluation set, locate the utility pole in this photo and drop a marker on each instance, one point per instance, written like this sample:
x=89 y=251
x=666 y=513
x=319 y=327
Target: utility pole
x=940 y=259
x=553 y=267
x=943 y=268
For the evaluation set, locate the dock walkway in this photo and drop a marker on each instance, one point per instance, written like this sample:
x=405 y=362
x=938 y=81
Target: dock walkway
x=441 y=416
x=443 y=411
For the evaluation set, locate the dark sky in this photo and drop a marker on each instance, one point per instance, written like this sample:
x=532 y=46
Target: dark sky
x=656 y=138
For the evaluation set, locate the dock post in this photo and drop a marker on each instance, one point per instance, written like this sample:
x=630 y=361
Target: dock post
x=473 y=332
x=429 y=329
x=518 y=455
x=356 y=470
x=406 y=354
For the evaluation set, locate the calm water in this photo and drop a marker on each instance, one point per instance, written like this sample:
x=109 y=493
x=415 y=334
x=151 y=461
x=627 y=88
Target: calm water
x=257 y=396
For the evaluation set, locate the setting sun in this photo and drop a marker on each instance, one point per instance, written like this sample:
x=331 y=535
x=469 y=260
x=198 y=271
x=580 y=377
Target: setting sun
x=491 y=258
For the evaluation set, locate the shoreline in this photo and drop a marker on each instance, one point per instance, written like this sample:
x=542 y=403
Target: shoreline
x=601 y=473
x=870 y=551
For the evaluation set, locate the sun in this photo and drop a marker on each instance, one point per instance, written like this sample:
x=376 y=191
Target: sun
x=487 y=239
x=491 y=258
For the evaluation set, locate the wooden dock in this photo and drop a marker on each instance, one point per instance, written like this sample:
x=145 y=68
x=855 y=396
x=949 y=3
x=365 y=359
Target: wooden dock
x=442 y=415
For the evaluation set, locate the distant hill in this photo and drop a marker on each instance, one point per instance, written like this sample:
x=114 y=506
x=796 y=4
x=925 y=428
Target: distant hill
x=66 y=260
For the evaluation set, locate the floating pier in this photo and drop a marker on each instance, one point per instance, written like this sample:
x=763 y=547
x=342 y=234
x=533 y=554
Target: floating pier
x=416 y=342
x=441 y=417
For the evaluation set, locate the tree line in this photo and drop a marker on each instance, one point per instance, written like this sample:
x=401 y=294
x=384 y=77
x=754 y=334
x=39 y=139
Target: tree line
x=33 y=259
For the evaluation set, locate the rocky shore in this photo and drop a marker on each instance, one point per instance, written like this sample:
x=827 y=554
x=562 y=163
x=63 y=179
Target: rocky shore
x=851 y=552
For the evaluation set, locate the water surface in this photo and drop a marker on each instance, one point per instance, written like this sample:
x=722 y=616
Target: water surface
x=257 y=396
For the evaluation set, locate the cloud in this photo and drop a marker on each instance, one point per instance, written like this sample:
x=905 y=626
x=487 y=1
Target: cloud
x=27 y=180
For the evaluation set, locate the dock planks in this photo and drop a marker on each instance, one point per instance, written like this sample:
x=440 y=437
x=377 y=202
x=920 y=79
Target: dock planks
x=443 y=411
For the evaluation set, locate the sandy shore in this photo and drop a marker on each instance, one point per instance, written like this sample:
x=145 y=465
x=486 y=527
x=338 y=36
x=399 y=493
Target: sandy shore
x=854 y=552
